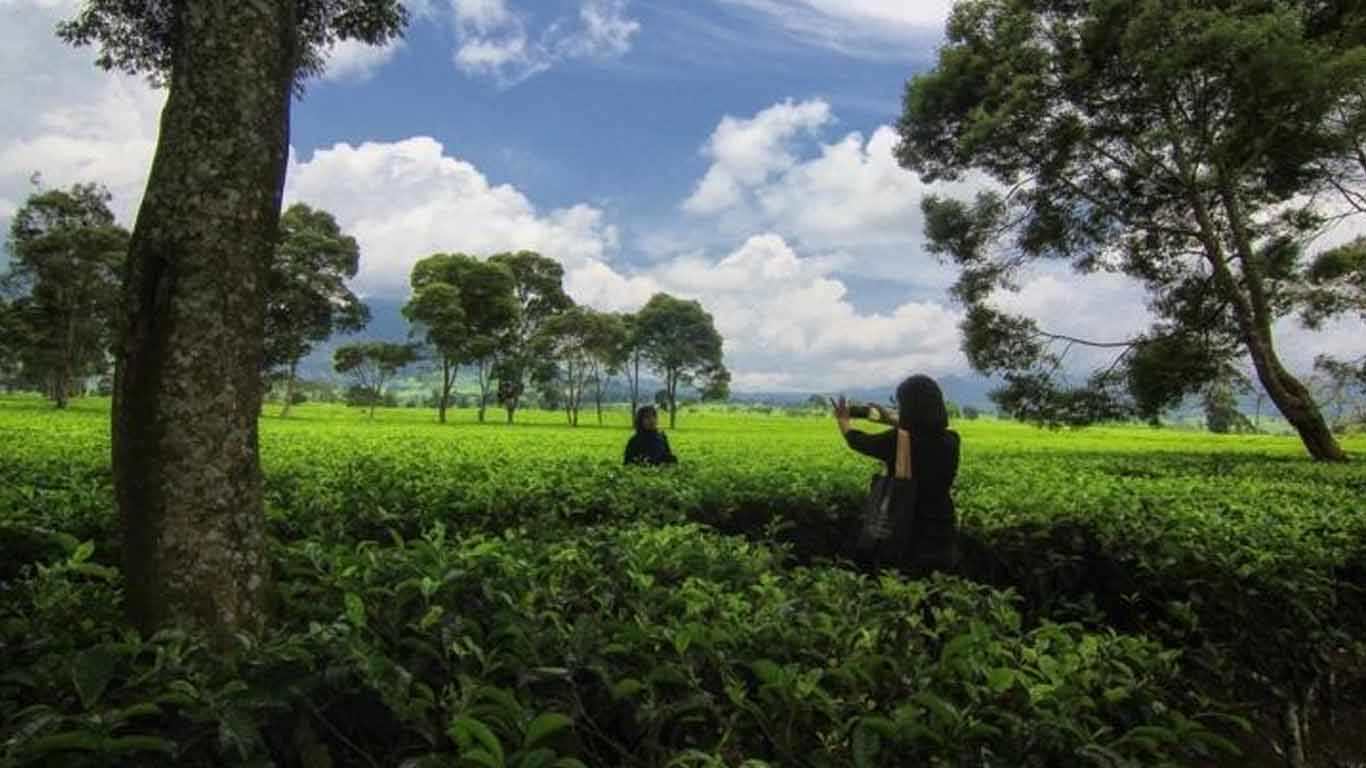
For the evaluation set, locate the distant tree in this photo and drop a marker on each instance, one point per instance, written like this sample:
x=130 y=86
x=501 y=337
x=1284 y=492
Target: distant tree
x=662 y=399
x=680 y=341
x=1341 y=387
x=188 y=387
x=307 y=299
x=371 y=364
x=466 y=308
x=954 y=410
x=971 y=413
x=608 y=342
x=1175 y=143
x=66 y=255
x=1220 y=403
x=628 y=358
x=568 y=339
x=715 y=384
x=538 y=285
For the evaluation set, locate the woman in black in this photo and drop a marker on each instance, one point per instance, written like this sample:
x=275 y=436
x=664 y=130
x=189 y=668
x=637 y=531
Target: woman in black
x=926 y=540
x=648 y=445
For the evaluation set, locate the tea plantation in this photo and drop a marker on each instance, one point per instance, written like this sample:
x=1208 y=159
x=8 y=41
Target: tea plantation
x=495 y=595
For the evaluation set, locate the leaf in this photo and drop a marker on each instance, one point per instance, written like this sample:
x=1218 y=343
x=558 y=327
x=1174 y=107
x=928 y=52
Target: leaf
x=867 y=744
x=481 y=757
x=355 y=609
x=536 y=758
x=466 y=730
x=568 y=762
x=91 y=672
x=1000 y=679
x=125 y=745
x=626 y=687
x=767 y=671
x=545 y=726
x=66 y=741
x=83 y=552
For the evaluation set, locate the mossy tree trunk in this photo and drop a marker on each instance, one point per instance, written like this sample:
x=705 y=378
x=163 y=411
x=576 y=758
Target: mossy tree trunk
x=188 y=389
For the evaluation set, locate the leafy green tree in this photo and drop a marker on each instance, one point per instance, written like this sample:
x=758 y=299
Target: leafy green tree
x=372 y=364
x=608 y=343
x=66 y=253
x=1174 y=142
x=680 y=342
x=1220 y=403
x=538 y=285
x=582 y=344
x=466 y=308
x=188 y=383
x=628 y=358
x=307 y=299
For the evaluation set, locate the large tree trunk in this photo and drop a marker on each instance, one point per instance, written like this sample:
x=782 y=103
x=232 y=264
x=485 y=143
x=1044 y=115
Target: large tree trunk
x=289 y=388
x=671 y=384
x=1254 y=315
x=483 y=390
x=188 y=391
x=445 y=390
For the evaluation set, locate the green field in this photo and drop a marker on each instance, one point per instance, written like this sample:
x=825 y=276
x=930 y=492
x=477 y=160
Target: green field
x=470 y=594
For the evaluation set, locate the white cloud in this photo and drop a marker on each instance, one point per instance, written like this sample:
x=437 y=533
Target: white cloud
x=355 y=61
x=406 y=200
x=495 y=41
x=746 y=153
x=862 y=28
x=65 y=119
x=771 y=172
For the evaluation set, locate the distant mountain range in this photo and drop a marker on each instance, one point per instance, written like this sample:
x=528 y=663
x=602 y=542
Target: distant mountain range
x=388 y=324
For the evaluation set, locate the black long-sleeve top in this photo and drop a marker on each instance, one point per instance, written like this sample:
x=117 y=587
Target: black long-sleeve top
x=649 y=448
x=928 y=539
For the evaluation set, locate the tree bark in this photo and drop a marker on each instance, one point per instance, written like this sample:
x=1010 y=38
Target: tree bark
x=289 y=388
x=188 y=392
x=483 y=389
x=671 y=385
x=1253 y=312
x=445 y=389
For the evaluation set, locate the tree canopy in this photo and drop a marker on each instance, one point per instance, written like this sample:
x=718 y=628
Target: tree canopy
x=67 y=256
x=465 y=307
x=307 y=299
x=140 y=38
x=371 y=364
x=538 y=285
x=680 y=341
x=1182 y=143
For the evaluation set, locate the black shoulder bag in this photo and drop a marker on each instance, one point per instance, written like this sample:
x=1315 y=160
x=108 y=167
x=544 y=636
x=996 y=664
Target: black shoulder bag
x=889 y=498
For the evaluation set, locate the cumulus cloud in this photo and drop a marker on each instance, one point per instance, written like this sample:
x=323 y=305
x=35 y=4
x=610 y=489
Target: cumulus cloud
x=406 y=200
x=65 y=119
x=355 y=61
x=495 y=40
x=747 y=153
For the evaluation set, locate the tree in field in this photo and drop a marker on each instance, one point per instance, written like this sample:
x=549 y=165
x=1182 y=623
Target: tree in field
x=581 y=344
x=679 y=341
x=1174 y=142
x=372 y=364
x=628 y=359
x=188 y=370
x=66 y=253
x=466 y=307
x=306 y=295
x=538 y=285
x=608 y=353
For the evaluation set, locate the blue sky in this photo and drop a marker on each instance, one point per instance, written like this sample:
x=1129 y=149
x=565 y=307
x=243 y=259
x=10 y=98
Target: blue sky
x=733 y=151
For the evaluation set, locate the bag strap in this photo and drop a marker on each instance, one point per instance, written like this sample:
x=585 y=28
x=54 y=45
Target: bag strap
x=903 y=455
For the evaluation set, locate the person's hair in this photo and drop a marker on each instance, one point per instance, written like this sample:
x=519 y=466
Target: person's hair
x=922 y=406
x=645 y=410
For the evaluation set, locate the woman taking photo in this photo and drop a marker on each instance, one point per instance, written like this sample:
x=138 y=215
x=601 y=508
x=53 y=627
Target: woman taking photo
x=923 y=535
